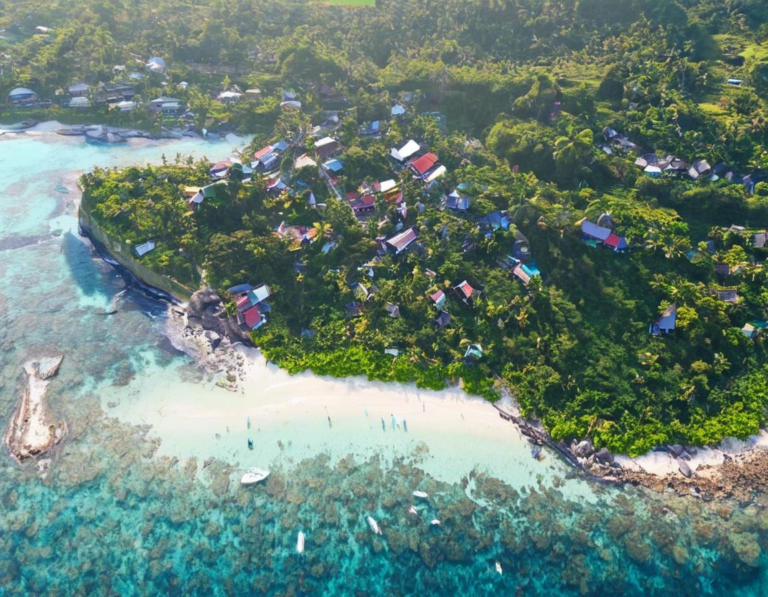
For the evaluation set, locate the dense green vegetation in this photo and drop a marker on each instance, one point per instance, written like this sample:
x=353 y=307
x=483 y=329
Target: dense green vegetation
x=573 y=345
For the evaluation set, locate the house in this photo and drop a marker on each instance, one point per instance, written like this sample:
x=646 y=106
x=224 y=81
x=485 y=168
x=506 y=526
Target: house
x=21 y=96
x=397 y=110
x=606 y=220
x=405 y=152
x=145 y=248
x=253 y=94
x=276 y=185
x=196 y=195
x=443 y=319
x=466 y=292
x=156 y=65
x=699 y=168
x=652 y=171
x=252 y=297
x=125 y=106
x=603 y=235
x=371 y=129
x=229 y=96
x=304 y=161
x=326 y=147
x=666 y=323
x=759 y=239
x=362 y=205
x=521 y=249
x=400 y=242
x=393 y=310
x=220 y=169
x=735 y=82
x=616 y=242
x=727 y=295
x=291 y=105
x=79 y=89
x=457 y=202
x=750 y=331
x=434 y=175
x=80 y=102
x=119 y=92
x=594 y=232
x=423 y=164
x=473 y=354
x=497 y=220
x=438 y=298
x=266 y=159
x=723 y=269
x=352 y=309
x=167 y=106
x=387 y=186
x=252 y=318
x=334 y=166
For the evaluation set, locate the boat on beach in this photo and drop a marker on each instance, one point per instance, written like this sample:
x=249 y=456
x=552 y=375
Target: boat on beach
x=300 y=543
x=374 y=525
x=254 y=475
x=420 y=494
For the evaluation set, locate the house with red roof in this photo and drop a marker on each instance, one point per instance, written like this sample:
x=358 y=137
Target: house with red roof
x=400 y=242
x=466 y=292
x=424 y=164
x=438 y=298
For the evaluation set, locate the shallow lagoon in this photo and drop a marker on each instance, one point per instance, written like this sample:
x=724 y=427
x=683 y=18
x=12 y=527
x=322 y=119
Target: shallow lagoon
x=119 y=511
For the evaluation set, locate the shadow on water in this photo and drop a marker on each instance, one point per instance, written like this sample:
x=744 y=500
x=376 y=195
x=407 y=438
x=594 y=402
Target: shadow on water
x=84 y=270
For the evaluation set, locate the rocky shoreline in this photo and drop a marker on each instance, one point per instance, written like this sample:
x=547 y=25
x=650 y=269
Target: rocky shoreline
x=31 y=432
x=201 y=330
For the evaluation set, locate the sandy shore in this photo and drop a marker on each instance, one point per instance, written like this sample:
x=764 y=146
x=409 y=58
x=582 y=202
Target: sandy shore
x=295 y=417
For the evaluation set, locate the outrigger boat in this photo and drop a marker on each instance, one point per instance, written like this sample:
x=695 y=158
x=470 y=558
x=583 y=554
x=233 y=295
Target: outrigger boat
x=420 y=494
x=254 y=475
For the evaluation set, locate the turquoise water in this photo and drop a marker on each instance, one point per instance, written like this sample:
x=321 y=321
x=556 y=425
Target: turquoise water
x=112 y=517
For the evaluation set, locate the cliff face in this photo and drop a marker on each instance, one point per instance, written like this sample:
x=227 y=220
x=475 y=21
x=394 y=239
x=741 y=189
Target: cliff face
x=159 y=284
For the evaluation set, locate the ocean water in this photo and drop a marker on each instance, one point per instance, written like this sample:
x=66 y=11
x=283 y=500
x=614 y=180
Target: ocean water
x=130 y=504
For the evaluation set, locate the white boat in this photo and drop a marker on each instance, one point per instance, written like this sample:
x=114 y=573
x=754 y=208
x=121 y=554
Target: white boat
x=374 y=525
x=434 y=522
x=254 y=475
x=300 y=543
x=412 y=510
x=498 y=567
x=420 y=494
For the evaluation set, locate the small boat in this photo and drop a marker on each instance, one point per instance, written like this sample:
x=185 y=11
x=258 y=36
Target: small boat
x=412 y=510
x=536 y=452
x=434 y=522
x=383 y=426
x=254 y=475
x=374 y=525
x=250 y=444
x=420 y=494
x=248 y=422
x=498 y=567
x=300 y=543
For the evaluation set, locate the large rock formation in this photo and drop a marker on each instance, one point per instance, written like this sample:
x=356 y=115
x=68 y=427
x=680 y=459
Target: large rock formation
x=31 y=432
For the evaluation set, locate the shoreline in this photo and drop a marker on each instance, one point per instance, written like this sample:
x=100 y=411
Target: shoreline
x=658 y=472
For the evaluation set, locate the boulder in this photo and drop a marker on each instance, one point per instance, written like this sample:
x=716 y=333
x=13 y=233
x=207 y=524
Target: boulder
x=213 y=338
x=685 y=470
x=676 y=450
x=604 y=456
x=47 y=367
x=584 y=449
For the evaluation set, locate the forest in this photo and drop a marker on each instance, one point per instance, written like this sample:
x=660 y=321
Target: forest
x=539 y=111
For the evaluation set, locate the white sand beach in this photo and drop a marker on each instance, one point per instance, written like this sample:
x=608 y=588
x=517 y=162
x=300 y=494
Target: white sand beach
x=461 y=434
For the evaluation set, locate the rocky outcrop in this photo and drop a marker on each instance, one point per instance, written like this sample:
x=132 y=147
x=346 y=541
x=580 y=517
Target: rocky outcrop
x=31 y=432
x=207 y=310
